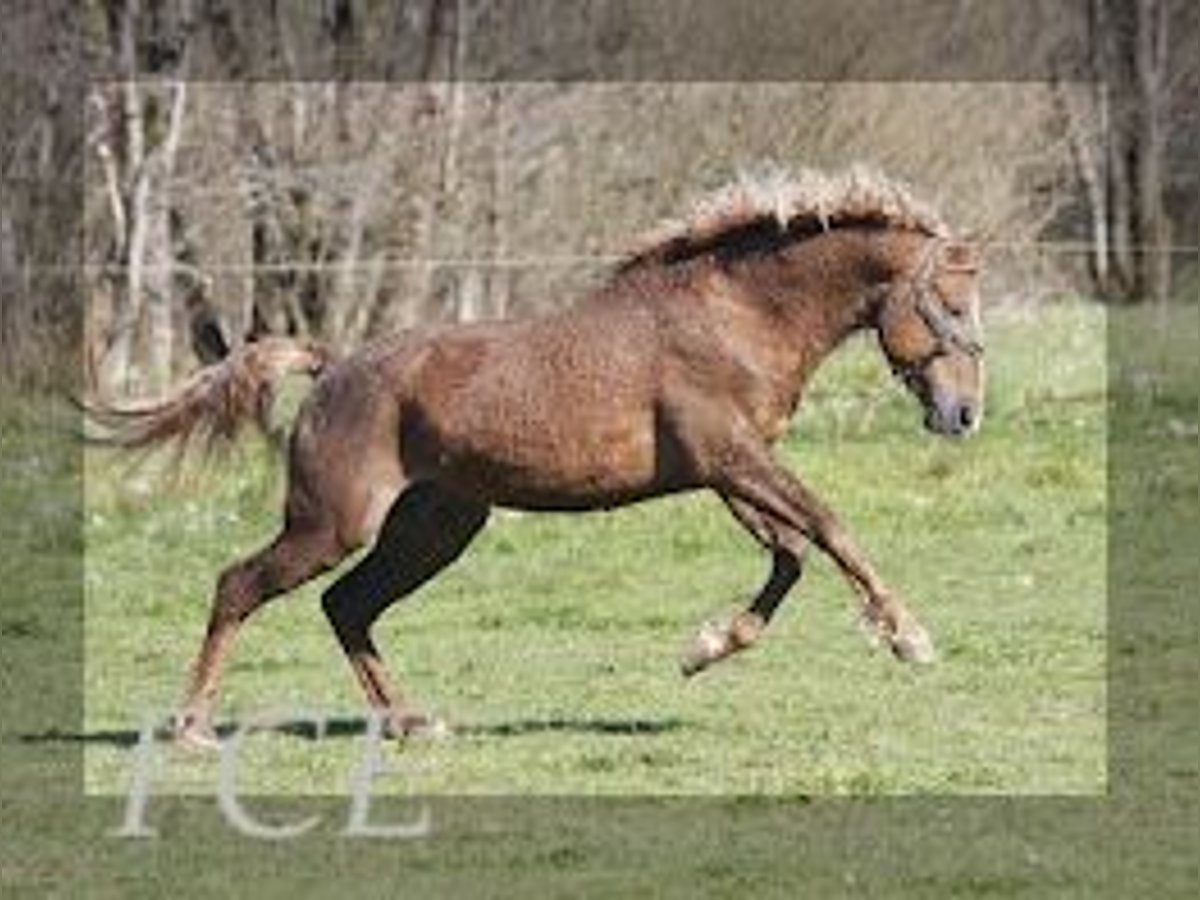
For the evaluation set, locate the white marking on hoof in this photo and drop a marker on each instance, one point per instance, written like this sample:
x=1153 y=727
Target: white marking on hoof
x=914 y=645
x=193 y=738
x=710 y=644
x=435 y=729
x=421 y=728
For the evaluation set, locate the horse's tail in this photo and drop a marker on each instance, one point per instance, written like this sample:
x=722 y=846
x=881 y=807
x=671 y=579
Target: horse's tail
x=215 y=402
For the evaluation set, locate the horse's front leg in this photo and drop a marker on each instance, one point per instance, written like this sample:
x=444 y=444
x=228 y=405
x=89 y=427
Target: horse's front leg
x=717 y=640
x=794 y=515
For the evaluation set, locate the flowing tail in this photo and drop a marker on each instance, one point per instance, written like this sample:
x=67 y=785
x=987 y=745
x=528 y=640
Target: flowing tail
x=215 y=402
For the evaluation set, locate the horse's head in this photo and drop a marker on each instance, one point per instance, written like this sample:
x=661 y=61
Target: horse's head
x=929 y=328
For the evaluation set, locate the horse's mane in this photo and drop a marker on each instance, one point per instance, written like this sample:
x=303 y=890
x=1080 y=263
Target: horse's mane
x=773 y=200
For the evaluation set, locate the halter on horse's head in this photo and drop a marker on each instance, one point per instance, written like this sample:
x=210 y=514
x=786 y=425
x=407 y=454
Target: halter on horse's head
x=929 y=328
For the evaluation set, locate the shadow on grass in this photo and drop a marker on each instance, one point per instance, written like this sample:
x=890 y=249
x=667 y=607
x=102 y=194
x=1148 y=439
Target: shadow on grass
x=335 y=728
x=575 y=726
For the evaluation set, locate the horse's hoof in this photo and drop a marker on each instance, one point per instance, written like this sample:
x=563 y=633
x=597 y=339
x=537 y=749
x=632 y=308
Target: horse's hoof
x=417 y=726
x=430 y=728
x=194 y=736
x=914 y=645
x=710 y=644
x=692 y=665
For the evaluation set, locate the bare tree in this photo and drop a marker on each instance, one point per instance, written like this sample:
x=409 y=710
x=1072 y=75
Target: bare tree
x=137 y=139
x=327 y=207
x=1149 y=149
x=1119 y=136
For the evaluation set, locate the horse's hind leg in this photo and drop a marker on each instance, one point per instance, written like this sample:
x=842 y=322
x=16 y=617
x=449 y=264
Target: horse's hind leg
x=297 y=555
x=426 y=529
x=715 y=641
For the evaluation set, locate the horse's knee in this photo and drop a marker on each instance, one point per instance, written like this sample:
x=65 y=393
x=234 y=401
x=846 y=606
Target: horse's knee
x=332 y=606
x=344 y=616
x=236 y=592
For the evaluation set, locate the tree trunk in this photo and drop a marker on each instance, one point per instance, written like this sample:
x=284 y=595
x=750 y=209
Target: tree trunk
x=1153 y=258
x=116 y=373
x=160 y=270
x=428 y=114
x=499 y=281
x=138 y=188
x=1087 y=134
x=1121 y=229
x=9 y=289
x=1132 y=35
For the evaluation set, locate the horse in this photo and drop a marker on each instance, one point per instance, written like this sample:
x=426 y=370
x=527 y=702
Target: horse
x=679 y=371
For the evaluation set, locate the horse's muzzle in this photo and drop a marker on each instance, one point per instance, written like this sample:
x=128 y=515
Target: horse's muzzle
x=953 y=418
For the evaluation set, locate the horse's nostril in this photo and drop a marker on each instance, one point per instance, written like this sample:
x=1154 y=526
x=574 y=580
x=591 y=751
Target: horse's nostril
x=966 y=416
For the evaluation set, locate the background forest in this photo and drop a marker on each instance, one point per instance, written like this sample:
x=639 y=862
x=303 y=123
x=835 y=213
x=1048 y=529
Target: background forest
x=213 y=210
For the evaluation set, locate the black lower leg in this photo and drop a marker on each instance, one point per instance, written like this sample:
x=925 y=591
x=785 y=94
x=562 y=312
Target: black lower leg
x=785 y=572
x=424 y=532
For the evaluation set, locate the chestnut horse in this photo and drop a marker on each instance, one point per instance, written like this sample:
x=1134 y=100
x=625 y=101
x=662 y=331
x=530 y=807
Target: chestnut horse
x=678 y=373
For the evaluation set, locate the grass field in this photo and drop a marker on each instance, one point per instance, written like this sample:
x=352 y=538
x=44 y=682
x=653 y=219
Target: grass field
x=553 y=645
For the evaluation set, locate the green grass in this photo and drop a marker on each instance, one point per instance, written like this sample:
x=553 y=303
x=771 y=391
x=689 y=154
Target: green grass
x=1136 y=840
x=553 y=644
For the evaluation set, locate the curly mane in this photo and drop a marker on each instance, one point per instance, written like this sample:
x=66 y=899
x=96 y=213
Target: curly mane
x=776 y=200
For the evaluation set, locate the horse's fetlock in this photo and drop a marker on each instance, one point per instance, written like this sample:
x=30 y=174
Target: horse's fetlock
x=746 y=629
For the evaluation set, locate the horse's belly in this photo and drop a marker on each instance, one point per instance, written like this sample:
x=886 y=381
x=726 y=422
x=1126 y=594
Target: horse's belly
x=539 y=468
x=574 y=498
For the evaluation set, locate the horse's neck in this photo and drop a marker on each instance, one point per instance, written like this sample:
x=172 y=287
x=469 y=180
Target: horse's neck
x=819 y=292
